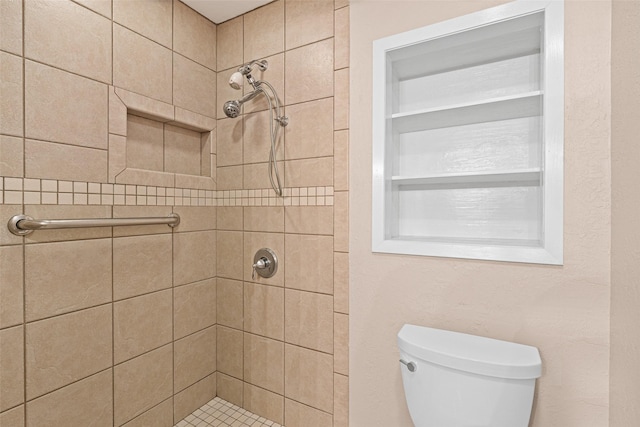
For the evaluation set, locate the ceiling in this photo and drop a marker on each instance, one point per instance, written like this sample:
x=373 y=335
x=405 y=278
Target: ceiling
x=221 y=10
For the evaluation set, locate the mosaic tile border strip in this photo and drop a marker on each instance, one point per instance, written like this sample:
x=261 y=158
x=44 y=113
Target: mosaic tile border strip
x=31 y=191
x=219 y=412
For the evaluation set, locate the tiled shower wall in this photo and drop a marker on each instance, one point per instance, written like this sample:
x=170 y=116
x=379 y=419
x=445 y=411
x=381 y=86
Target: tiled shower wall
x=283 y=341
x=101 y=327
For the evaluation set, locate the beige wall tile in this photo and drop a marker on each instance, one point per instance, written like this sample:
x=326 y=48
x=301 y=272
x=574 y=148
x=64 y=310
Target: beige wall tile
x=229 y=359
x=117 y=157
x=308 y=21
x=229 y=43
x=229 y=218
x=264 y=403
x=11 y=156
x=298 y=415
x=309 y=172
x=66 y=276
x=341 y=160
x=150 y=74
x=141 y=383
x=309 y=220
x=255 y=241
x=194 y=397
x=230 y=258
x=11 y=288
x=300 y=273
x=229 y=178
x=181 y=150
x=257 y=138
x=206 y=140
x=141 y=264
x=11 y=86
x=88 y=402
x=230 y=303
x=194 y=86
x=196 y=218
x=264 y=310
x=341 y=100
x=256 y=176
x=12 y=367
x=152 y=19
x=341 y=344
x=309 y=320
x=194 y=36
x=341 y=282
x=194 y=256
x=158 y=416
x=194 y=307
x=103 y=7
x=264 y=31
x=64 y=107
x=310 y=129
x=309 y=377
x=13 y=417
x=63 y=349
x=267 y=219
x=68 y=36
x=309 y=71
x=134 y=211
x=6 y=238
x=274 y=75
x=229 y=141
x=145 y=106
x=340 y=400
x=141 y=324
x=11 y=26
x=229 y=389
x=341 y=45
x=341 y=3
x=71 y=212
x=194 y=358
x=341 y=221
x=145 y=143
x=43 y=160
x=264 y=363
x=117 y=114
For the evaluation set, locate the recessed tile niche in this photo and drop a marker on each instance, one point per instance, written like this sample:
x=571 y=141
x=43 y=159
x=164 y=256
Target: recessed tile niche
x=158 y=144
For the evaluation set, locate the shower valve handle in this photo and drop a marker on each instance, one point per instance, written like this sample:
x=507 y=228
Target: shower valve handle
x=261 y=264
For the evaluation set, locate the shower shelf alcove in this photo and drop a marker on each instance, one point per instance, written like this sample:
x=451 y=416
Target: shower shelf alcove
x=192 y=139
x=468 y=137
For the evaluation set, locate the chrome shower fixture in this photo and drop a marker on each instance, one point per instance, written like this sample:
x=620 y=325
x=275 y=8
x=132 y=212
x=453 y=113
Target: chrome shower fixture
x=232 y=110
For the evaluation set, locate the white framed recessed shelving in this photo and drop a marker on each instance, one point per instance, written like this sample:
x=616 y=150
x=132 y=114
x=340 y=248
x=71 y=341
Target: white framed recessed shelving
x=468 y=129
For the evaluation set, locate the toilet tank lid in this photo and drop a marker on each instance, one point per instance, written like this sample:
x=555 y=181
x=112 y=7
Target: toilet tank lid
x=470 y=353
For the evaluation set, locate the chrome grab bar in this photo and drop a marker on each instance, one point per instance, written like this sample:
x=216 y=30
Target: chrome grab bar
x=21 y=225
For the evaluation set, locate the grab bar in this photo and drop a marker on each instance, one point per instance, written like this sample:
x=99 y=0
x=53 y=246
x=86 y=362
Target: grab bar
x=21 y=225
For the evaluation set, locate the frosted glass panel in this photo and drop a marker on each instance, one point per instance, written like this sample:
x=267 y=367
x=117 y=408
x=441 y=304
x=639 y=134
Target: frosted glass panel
x=500 y=145
x=504 y=213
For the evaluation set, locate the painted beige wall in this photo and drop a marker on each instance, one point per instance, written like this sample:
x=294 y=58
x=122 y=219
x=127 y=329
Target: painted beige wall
x=625 y=259
x=564 y=311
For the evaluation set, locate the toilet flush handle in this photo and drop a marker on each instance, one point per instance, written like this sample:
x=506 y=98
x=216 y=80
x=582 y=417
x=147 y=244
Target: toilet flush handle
x=411 y=366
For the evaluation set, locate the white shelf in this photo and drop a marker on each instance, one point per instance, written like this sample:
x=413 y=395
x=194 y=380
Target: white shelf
x=468 y=136
x=500 y=108
x=521 y=178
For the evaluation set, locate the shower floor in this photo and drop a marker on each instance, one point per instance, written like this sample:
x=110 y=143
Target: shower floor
x=218 y=412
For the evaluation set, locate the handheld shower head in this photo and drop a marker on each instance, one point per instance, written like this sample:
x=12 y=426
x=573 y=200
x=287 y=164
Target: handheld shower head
x=232 y=109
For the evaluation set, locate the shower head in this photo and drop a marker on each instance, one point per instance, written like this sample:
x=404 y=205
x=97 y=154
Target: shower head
x=232 y=108
x=236 y=80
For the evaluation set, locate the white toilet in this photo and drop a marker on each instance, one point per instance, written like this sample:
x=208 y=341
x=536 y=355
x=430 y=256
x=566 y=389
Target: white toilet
x=458 y=380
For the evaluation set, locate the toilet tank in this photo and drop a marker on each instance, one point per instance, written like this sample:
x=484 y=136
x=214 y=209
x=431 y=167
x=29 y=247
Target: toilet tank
x=464 y=380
